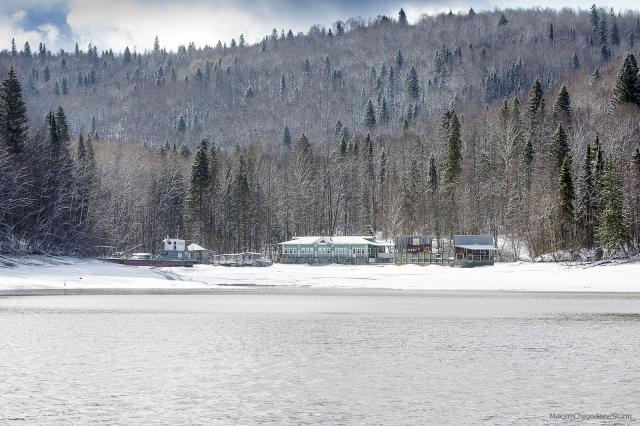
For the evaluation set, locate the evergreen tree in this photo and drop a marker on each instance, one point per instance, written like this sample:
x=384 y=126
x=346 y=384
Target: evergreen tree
x=27 y=50
x=198 y=197
x=13 y=115
x=185 y=151
x=566 y=197
x=535 y=99
x=615 y=32
x=411 y=84
x=182 y=124
x=286 y=138
x=560 y=146
x=562 y=104
x=612 y=234
x=399 y=59
x=343 y=146
x=156 y=45
x=46 y=73
x=551 y=32
x=453 y=161
x=595 y=18
x=627 y=86
x=587 y=205
x=383 y=113
x=63 y=126
x=402 y=17
x=65 y=86
x=14 y=50
x=127 y=55
x=575 y=62
x=503 y=20
x=603 y=32
x=369 y=118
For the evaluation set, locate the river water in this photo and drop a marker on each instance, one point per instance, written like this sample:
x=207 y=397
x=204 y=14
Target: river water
x=318 y=356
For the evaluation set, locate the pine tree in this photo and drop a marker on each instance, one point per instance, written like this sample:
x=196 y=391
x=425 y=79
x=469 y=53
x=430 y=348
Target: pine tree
x=14 y=50
x=185 y=152
x=566 y=197
x=369 y=118
x=575 y=62
x=411 y=84
x=627 y=86
x=46 y=73
x=402 y=17
x=156 y=45
x=586 y=206
x=127 y=55
x=535 y=99
x=199 y=191
x=383 y=113
x=286 y=138
x=56 y=88
x=453 y=160
x=343 y=146
x=27 y=50
x=65 y=86
x=399 y=59
x=612 y=233
x=503 y=20
x=615 y=32
x=63 y=126
x=182 y=124
x=603 y=32
x=551 y=32
x=595 y=18
x=13 y=115
x=562 y=104
x=560 y=146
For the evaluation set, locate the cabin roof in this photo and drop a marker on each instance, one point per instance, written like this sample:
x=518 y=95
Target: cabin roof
x=474 y=242
x=351 y=240
x=196 y=247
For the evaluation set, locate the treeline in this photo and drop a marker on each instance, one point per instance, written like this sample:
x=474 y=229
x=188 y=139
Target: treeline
x=45 y=190
x=378 y=75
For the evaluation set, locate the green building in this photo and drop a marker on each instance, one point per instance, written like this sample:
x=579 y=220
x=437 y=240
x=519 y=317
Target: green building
x=351 y=249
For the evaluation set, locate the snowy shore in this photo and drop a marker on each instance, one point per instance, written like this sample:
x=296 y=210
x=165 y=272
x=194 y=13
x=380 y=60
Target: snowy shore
x=67 y=273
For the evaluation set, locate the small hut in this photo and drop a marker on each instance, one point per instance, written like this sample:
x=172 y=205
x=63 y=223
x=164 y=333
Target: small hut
x=413 y=244
x=199 y=253
x=475 y=248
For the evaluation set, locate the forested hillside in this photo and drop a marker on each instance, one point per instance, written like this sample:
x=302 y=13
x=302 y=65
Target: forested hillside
x=522 y=123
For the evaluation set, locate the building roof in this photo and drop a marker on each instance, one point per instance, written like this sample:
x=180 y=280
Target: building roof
x=195 y=247
x=350 y=240
x=474 y=242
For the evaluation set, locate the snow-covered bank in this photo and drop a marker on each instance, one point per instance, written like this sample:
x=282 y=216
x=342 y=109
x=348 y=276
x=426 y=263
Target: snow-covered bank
x=39 y=272
x=502 y=276
x=48 y=273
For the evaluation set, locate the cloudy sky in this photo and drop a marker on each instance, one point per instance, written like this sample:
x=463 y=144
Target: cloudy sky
x=119 y=23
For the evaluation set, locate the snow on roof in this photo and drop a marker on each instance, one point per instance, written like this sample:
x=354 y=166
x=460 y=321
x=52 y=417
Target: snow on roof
x=352 y=240
x=473 y=240
x=196 y=247
x=477 y=247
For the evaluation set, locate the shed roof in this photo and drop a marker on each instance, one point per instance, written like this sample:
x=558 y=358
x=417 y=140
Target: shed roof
x=475 y=242
x=196 y=247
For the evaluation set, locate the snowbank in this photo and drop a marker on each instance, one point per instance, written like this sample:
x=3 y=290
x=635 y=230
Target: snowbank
x=516 y=276
x=40 y=272
x=36 y=273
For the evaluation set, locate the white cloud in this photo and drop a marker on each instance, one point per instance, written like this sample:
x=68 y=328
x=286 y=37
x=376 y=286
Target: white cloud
x=128 y=23
x=10 y=28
